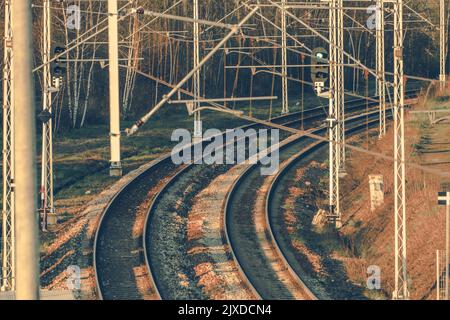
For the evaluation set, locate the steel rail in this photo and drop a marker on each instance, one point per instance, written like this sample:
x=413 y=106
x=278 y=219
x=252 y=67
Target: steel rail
x=314 y=114
x=312 y=146
x=102 y=289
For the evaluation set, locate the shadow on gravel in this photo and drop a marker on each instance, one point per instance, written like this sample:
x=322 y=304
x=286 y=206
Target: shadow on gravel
x=333 y=282
x=173 y=269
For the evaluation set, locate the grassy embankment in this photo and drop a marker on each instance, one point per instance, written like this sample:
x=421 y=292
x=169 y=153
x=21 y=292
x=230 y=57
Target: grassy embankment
x=369 y=236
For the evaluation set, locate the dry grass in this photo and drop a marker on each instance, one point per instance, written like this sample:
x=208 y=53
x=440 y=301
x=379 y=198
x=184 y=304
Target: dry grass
x=370 y=235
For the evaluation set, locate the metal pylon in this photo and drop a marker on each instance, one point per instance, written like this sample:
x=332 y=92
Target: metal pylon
x=380 y=66
x=334 y=116
x=340 y=81
x=46 y=189
x=441 y=276
x=401 y=281
x=8 y=231
x=443 y=44
x=196 y=77
x=284 y=84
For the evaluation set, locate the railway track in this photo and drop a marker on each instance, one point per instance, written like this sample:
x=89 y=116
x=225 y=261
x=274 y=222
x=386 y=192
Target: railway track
x=273 y=210
x=117 y=247
x=160 y=266
x=120 y=246
x=249 y=222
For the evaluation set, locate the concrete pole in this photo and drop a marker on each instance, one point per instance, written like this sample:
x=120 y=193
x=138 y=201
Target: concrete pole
x=284 y=70
x=114 y=106
x=447 y=244
x=27 y=236
x=198 y=131
x=443 y=43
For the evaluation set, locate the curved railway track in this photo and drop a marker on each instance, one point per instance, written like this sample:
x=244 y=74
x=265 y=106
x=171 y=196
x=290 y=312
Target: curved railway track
x=158 y=264
x=267 y=265
x=120 y=250
x=117 y=248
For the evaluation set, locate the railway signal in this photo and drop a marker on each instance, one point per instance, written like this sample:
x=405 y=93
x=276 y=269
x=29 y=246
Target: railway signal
x=319 y=68
x=57 y=68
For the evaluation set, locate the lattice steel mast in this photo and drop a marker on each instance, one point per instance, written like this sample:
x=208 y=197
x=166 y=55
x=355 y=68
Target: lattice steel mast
x=333 y=116
x=340 y=85
x=8 y=217
x=380 y=66
x=46 y=189
x=284 y=80
x=196 y=77
x=401 y=281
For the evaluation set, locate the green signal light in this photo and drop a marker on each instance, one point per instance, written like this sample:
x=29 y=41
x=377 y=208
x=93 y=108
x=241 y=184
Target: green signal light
x=320 y=55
